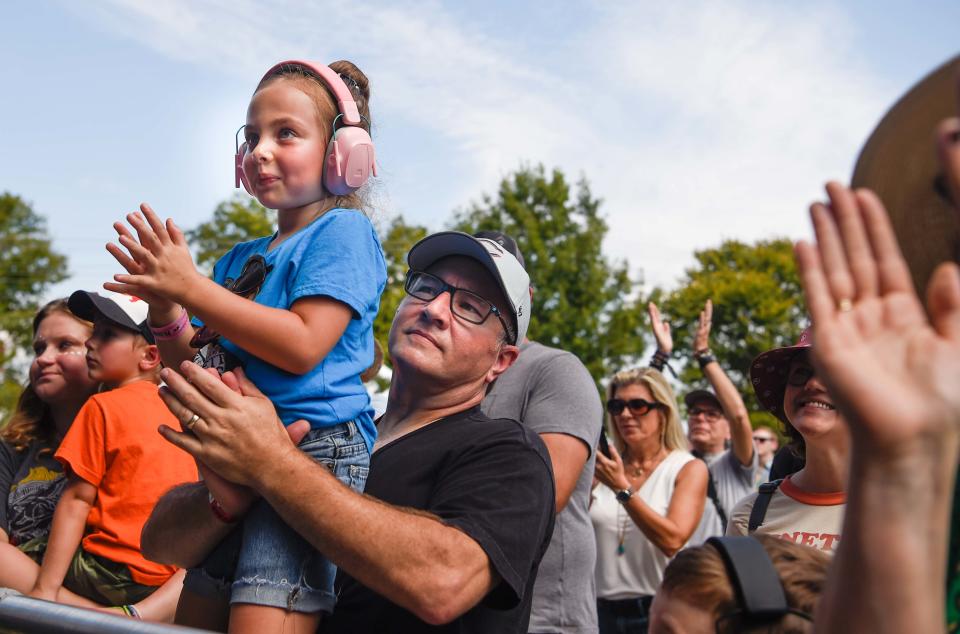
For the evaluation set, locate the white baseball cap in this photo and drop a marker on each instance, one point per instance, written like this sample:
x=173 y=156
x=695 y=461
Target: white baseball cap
x=125 y=311
x=505 y=268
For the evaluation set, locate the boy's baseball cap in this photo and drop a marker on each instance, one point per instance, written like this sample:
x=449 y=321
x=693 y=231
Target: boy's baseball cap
x=125 y=311
x=503 y=265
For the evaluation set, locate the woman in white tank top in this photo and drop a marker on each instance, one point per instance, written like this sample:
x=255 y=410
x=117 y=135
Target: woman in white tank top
x=647 y=499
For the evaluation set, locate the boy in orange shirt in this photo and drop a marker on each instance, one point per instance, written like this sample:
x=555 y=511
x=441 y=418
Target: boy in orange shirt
x=117 y=466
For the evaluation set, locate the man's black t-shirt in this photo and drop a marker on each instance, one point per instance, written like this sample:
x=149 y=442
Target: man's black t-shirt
x=491 y=479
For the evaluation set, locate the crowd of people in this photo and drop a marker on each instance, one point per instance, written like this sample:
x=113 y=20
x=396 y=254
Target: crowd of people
x=497 y=492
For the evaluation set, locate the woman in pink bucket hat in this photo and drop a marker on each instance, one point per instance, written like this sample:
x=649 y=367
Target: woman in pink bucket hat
x=805 y=507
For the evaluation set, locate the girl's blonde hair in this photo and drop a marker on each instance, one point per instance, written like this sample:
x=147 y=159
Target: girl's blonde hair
x=671 y=432
x=31 y=420
x=358 y=84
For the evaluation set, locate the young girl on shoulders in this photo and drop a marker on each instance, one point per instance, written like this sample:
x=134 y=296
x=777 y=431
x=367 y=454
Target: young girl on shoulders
x=294 y=309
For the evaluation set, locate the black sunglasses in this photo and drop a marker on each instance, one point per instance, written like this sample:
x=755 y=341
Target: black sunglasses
x=800 y=374
x=465 y=304
x=252 y=276
x=638 y=406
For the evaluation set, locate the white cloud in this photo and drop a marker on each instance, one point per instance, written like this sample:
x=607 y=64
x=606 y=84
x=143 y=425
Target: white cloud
x=695 y=121
x=743 y=110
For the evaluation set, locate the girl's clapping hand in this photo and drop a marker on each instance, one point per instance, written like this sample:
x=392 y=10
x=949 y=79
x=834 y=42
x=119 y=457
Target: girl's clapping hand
x=159 y=266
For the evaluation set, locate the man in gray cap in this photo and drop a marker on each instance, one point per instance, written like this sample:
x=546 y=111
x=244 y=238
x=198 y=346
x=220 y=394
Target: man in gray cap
x=551 y=392
x=458 y=508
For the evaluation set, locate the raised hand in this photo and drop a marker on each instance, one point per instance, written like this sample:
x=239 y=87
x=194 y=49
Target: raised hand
x=159 y=266
x=702 y=339
x=894 y=372
x=661 y=329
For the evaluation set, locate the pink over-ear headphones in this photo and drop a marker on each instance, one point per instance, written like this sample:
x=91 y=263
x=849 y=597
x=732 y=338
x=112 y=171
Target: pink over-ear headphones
x=350 y=156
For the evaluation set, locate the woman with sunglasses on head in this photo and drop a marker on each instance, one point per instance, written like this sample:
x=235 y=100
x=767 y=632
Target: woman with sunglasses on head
x=807 y=506
x=650 y=501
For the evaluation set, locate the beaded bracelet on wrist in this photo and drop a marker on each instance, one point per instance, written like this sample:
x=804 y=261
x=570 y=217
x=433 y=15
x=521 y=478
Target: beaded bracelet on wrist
x=660 y=361
x=705 y=359
x=173 y=329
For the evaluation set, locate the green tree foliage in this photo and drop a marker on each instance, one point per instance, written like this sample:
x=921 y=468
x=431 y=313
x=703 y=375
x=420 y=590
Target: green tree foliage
x=757 y=305
x=236 y=220
x=397 y=240
x=582 y=301
x=29 y=265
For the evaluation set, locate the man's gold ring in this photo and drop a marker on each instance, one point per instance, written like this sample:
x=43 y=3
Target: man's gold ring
x=193 y=421
x=844 y=305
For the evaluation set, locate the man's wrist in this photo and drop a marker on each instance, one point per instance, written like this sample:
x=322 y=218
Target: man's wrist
x=704 y=357
x=272 y=482
x=660 y=360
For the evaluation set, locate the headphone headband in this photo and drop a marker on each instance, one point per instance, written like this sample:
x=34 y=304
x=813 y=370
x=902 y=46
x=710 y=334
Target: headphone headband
x=342 y=94
x=755 y=580
x=350 y=159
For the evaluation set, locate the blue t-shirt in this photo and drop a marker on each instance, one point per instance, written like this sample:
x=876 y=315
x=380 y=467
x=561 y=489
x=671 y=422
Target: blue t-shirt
x=338 y=255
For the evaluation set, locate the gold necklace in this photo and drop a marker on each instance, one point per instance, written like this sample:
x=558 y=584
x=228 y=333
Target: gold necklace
x=623 y=525
x=622 y=530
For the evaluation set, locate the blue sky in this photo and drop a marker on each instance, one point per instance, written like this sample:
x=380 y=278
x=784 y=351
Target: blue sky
x=694 y=121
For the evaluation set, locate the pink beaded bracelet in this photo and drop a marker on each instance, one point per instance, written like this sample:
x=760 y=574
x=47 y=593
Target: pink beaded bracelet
x=171 y=330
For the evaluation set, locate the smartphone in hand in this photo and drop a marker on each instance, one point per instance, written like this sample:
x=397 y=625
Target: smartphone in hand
x=604 y=446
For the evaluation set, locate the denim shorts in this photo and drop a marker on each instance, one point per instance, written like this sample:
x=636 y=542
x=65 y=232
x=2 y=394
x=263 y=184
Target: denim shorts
x=264 y=561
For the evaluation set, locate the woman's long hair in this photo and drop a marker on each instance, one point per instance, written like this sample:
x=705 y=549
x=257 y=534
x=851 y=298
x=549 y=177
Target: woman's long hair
x=671 y=432
x=31 y=420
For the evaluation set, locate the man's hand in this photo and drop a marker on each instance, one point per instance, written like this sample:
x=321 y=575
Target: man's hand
x=237 y=435
x=661 y=329
x=701 y=341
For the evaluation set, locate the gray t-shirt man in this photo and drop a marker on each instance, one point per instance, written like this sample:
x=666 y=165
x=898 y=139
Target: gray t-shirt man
x=733 y=482
x=550 y=391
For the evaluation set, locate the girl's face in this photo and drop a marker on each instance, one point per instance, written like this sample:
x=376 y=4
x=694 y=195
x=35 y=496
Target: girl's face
x=286 y=145
x=806 y=402
x=58 y=372
x=632 y=426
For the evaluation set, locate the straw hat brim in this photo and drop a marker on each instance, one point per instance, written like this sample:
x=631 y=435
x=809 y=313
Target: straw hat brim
x=899 y=162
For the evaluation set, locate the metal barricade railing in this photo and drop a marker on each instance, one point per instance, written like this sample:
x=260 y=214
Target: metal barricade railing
x=23 y=614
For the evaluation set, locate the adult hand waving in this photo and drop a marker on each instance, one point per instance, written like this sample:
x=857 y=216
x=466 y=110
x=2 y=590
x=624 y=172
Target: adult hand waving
x=661 y=330
x=894 y=372
x=701 y=341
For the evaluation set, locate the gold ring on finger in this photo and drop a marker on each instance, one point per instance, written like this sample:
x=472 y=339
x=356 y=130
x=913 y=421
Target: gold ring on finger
x=193 y=421
x=844 y=305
